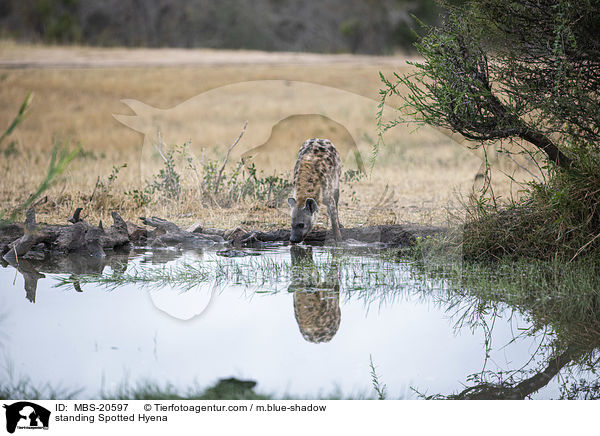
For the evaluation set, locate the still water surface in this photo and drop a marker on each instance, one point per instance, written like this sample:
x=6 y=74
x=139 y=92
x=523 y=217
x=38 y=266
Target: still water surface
x=290 y=343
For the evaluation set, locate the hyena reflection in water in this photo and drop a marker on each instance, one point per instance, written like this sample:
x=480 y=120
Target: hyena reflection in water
x=316 y=174
x=316 y=301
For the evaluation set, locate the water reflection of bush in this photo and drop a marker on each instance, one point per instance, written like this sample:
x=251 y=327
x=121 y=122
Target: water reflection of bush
x=316 y=301
x=560 y=301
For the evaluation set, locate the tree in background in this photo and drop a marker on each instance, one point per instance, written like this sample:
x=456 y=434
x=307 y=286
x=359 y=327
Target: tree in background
x=55 y=19
x=514 y=71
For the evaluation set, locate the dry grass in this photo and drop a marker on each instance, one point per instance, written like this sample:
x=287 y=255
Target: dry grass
x=424 y=170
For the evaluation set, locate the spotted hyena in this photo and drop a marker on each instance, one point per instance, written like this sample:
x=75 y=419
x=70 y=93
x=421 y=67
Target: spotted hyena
x=317 y=171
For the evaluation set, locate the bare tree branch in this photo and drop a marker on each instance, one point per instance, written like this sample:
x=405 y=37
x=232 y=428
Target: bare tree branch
x=218 y=182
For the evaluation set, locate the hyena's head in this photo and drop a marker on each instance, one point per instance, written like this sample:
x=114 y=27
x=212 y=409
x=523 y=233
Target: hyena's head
x=304 y=216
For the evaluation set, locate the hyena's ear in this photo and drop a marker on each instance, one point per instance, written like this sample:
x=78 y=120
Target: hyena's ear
x=311 y=205
x=292 y=202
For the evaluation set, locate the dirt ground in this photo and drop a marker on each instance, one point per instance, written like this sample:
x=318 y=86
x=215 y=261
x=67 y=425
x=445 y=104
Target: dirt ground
x=204 y=96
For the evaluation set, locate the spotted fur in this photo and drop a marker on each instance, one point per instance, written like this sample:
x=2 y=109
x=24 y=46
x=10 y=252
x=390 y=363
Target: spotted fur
x=316 y=177
x=316 y=297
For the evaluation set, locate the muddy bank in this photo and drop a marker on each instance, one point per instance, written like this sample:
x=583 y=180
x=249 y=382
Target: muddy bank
x=35 y=240
x=389 y=235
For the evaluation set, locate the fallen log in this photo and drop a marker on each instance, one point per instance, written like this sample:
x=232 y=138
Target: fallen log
x=35 y=240
x=79 y=237
x=168 y=234
x=9 y=232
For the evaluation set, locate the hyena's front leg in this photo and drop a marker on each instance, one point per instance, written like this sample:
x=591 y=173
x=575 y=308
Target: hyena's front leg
x=332 y=210
x=336 y=195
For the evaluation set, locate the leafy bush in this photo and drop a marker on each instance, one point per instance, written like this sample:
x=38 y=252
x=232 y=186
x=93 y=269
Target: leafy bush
x=559 y=217
x=210 y=182
x=244 y=182
x=522 y=73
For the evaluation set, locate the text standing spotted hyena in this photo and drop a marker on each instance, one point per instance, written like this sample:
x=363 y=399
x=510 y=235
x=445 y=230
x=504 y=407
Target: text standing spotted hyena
x=316 y=175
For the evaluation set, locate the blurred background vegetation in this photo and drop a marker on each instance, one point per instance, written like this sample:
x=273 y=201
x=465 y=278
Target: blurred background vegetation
x=329 y=26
